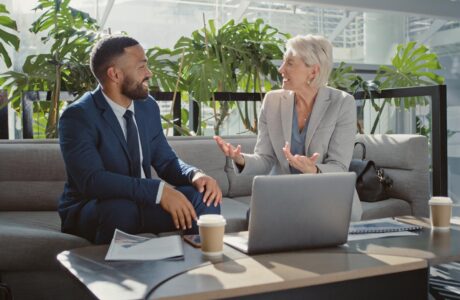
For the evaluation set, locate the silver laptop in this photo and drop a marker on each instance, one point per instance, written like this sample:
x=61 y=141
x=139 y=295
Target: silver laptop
x=290 y=212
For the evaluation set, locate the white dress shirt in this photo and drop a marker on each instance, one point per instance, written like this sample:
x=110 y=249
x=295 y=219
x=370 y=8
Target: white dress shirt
x=119 y=111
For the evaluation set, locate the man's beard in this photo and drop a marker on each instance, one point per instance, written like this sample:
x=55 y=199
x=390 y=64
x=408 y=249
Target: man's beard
x=134 y=90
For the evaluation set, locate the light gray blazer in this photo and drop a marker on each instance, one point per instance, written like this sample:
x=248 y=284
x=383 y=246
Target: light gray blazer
x=331 y=133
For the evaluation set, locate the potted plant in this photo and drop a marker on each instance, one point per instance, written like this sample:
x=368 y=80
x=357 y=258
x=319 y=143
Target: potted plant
x=72 y=33
x=412 y=65
x=226 y=59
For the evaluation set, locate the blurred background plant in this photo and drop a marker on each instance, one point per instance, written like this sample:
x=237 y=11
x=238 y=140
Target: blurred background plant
x=65 y=67
x=344 y=78
x=236 y=57
x=8 y=35
x=413 y=65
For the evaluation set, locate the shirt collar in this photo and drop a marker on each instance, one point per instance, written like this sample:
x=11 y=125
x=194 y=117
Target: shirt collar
x=117 y=108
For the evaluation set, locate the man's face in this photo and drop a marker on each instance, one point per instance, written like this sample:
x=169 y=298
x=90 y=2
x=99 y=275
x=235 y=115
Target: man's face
x=136 y=73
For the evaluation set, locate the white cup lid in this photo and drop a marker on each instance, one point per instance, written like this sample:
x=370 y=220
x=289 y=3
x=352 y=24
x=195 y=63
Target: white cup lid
x=211 y=220
x=440 y=201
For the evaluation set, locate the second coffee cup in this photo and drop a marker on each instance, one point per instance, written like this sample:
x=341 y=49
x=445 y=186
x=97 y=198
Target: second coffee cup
x=441 y=212
x=212 y=228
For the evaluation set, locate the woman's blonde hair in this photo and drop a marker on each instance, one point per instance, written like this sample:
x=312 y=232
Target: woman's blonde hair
x=312 y=49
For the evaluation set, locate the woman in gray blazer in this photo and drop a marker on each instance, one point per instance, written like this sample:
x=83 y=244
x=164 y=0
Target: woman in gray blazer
x=307 y=127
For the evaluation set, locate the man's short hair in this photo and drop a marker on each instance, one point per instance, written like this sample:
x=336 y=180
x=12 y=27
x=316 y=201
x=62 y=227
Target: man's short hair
x=105 y=51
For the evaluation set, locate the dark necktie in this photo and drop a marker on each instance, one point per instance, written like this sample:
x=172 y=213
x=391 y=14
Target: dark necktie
x=132 y=140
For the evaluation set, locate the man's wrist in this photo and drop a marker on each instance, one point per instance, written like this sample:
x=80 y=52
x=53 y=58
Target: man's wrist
x=160 y=192
x=193 y=173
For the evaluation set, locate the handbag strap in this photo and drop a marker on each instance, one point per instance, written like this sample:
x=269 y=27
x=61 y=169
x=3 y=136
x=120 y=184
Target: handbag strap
x=363 y=157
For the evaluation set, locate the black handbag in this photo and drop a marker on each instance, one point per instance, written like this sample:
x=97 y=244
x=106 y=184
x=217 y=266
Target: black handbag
x=371 y=182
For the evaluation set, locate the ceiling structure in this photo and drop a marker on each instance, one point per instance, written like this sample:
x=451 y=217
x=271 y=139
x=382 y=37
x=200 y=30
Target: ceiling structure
x=439 y=9
x=435 y=13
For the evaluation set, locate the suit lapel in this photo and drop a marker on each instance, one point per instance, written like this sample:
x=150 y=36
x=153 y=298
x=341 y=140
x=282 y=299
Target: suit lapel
x=319 y=108
x=287 y=106
x=141 y=120
x=109 y=116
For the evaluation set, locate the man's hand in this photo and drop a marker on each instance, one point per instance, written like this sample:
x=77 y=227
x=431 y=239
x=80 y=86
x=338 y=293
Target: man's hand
x=208 y=185
x=181 y=210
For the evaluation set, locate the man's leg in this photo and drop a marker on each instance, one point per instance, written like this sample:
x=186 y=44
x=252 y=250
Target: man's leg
x=157 y=220
x=99 y=219
x=196 y=198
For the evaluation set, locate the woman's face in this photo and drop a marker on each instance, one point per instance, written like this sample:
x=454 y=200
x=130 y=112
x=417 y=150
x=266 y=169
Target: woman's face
x=296 y=74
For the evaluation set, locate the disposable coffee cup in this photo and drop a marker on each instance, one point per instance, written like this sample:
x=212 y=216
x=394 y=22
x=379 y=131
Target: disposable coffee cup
x=212 y=228
x=441 y=212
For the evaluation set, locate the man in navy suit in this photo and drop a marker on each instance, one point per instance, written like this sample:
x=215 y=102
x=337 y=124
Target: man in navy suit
x=109 y=139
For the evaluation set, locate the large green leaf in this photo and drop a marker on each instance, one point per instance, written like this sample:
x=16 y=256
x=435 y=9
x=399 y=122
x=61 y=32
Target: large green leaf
x=412 y=65
x=164 y=69
x=7 y=38
x=6 y=21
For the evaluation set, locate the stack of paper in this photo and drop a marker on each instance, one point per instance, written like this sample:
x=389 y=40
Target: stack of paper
x=132 y=247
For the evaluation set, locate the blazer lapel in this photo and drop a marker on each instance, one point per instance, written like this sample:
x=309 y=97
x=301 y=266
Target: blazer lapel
x=110 y=118
x=287 y=106
x=141 y=121
x=319 y=108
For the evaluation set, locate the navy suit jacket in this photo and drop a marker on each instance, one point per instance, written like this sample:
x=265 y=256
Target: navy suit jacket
x=97 y=160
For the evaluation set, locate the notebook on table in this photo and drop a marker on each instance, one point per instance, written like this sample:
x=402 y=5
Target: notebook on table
x=381 y=226
x=290 y=212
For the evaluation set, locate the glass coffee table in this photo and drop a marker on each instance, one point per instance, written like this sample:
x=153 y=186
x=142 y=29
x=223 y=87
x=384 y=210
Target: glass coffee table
x=317 y=273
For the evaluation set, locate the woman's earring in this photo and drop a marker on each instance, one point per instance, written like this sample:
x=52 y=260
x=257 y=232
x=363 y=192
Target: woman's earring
x=308 y=82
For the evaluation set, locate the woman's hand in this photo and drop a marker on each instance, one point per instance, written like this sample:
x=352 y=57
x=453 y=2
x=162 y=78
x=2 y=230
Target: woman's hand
x=302 y=163
x=230 y=151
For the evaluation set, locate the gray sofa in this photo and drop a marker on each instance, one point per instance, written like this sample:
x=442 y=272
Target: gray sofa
x=32 y=177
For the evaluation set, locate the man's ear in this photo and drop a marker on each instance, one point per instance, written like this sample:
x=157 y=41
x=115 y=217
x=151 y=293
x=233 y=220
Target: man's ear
x=113 y=74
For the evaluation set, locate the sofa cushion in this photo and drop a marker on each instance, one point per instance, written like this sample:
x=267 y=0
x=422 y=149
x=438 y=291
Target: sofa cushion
x=31 y=162
x=386 y=208
x=235 y=214
x=239 y=185
x=31 y=176
x=30 y=240
x=204 y=154
x=408 y=151
x=243 y=199
x=30 y=195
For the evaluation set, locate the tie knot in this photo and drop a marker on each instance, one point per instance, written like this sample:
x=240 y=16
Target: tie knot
x=128 y=115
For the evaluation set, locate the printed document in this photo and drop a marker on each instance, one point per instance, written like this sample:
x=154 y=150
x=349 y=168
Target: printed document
x=126 y=246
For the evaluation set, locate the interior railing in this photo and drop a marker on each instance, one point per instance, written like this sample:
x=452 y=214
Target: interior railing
x=436 y=93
